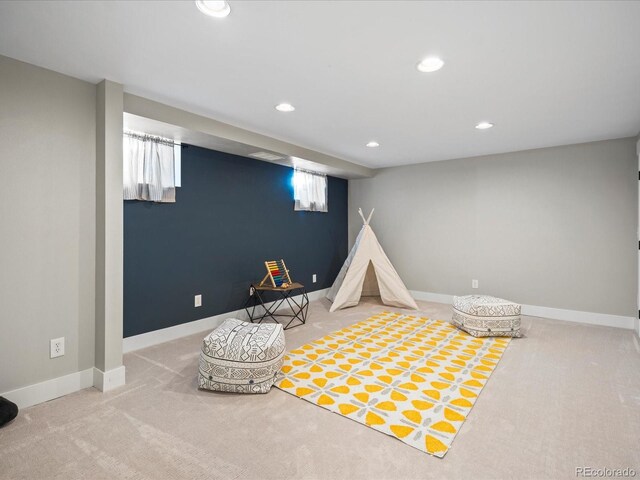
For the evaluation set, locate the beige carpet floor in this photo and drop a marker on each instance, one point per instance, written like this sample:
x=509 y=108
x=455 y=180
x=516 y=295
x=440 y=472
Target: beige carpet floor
x=565 y=396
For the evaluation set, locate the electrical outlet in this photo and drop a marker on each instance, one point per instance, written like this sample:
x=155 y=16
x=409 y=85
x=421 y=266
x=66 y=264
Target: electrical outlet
x=474 y=283
x=56 y=348
x=197 y=302
x=313 y=278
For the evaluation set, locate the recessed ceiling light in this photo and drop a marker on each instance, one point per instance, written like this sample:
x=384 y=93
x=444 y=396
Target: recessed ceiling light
x=285 y=107
x=430 y=64
x=373 y=144
x=218 y=9
x=484 y=125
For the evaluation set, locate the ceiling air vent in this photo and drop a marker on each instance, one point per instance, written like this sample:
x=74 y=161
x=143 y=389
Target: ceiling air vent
x=272 y=157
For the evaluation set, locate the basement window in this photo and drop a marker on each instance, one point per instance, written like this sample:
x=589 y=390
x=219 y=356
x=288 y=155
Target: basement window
x=310 y=191
x=151 y=169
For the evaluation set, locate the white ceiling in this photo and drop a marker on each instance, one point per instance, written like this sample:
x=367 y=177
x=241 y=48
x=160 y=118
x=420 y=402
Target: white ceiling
x=546 y=73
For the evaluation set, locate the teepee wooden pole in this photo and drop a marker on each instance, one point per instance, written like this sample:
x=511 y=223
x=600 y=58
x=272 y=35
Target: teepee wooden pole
x=369 y=219
x=362 y=215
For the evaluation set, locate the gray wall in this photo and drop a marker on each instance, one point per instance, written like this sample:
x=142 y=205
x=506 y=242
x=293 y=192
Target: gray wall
x=47 y=208
x=553 y=227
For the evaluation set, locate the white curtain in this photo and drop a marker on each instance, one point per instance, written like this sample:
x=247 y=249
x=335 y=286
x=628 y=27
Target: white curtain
x=149 y=169
x=310 y=191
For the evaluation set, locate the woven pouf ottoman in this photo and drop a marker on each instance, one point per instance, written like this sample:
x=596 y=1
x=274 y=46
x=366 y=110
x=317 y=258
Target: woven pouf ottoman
x=241 y=357
x=485 y=316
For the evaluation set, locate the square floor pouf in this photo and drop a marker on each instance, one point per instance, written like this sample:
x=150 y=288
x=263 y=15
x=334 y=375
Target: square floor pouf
x=241 y=357
x=486 y=316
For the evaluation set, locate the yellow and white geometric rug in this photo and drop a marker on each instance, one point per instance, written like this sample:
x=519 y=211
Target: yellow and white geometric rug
x=413 y=378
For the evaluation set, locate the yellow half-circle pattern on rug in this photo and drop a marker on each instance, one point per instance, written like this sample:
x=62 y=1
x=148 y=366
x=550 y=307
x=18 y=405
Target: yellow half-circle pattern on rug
x=362 y=396
x=401 y=431
x=373 y=388
x=452 y=415
x=472 y=383
x=341 y=389
x=347 y=408
x=373 y=419
x=390 y=371
x=461 y=402
x=443 y=426
x=433 y=445
x=413 y=415
x=424 y=370
x=432 y=394
x=325 y=400
x=421 y=404
x=390 y=406
x=286 y=384
x=467 y=393
x=320 y=382
x=440 y=385
x=397 y=396
x=408 y=386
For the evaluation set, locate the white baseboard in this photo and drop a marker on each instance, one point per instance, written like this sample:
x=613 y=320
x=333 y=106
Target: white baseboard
x=60 y=386
x=591 y=318
x=157 y=337
x=432 y=297
x=105 y=381
x=163 y=335
x=604 y=319
x=48 y=390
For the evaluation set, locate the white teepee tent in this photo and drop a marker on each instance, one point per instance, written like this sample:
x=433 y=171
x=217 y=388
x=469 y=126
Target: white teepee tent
x=368 y=271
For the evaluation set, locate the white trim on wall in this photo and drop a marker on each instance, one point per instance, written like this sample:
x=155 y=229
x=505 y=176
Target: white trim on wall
x=163 y=335
x=637 y=322
x=604 y=319
x=48 y=390
x=105 y=381
x=58 y=387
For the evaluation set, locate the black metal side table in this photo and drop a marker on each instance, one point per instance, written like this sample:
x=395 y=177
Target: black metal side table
x=258 y=300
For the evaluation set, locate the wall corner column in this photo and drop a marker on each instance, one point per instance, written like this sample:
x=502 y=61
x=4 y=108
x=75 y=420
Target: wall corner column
x=109 y=371
x=638 y=312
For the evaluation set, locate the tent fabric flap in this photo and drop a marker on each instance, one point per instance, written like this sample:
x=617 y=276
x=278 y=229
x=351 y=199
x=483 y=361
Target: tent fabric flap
x=347 y=288
x=333 y=291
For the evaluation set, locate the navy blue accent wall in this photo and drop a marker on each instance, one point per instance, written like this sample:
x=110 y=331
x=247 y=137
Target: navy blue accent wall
x=231 y=214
